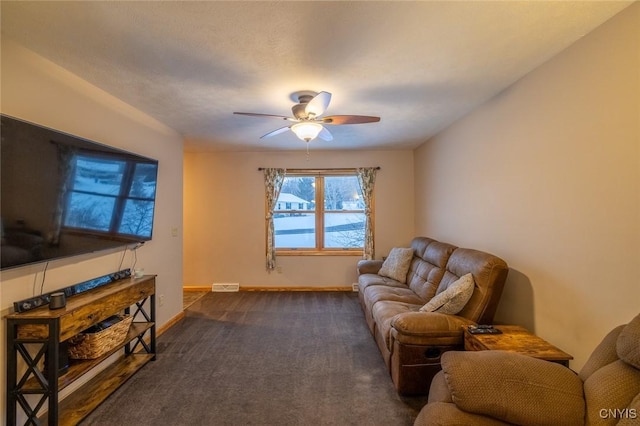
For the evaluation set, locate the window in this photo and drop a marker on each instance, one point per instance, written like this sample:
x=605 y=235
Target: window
x=320 y=212
x=111 y=196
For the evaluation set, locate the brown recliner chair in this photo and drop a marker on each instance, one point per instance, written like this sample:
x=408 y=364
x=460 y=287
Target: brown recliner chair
x=498 y=388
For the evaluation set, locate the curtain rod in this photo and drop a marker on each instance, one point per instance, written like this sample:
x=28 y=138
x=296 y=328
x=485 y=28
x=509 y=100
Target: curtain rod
x=321 y=170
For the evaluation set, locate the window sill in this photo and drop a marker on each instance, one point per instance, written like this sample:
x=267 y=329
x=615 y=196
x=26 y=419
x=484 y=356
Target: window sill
x=309 y=252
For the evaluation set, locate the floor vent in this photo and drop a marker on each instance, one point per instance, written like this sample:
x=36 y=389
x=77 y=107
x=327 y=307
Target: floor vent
x=225 y=287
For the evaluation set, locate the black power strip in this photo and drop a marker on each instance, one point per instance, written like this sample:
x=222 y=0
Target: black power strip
x=44 y=299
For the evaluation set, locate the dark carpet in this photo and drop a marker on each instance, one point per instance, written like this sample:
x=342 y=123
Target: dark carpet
x=263 y=358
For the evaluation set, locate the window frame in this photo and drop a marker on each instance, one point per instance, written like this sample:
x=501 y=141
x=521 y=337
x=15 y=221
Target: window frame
x=319 y=212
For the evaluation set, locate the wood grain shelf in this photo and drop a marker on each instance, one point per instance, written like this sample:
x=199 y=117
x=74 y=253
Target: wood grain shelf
x=85 y=399
x=77 y=368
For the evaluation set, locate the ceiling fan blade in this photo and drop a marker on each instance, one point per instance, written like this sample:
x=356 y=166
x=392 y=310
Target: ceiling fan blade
x=275 y=132
x=318 y=104
x=349 y=119
x=254 y=114
x=325 y=134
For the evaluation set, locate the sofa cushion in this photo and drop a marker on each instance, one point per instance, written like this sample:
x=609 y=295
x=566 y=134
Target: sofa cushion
x=428 y=266
x=613 y=387
x=627 y=345
x=375 y=294
x=452 y=299
x=603 y=354
x=489 y=273
x=366 y=280
x=396 y=265
x=384 y=312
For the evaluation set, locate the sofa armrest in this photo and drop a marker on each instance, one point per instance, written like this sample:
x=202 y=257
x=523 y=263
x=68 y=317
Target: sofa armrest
x=540 y=392
x=429 y=324
x=429 y=329
x=369 y=266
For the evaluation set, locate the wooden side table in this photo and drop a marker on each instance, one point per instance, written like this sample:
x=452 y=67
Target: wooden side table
x=516 y=339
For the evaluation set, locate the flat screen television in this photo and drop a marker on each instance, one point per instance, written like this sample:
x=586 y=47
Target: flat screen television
x=61 y=195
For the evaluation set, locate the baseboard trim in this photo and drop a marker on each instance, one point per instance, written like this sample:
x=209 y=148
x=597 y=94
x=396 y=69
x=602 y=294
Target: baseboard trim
x=173 y=321
x=196 y=288
x=254 y=288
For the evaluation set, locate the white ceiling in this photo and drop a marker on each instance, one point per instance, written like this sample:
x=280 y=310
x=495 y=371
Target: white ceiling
x=417 y=65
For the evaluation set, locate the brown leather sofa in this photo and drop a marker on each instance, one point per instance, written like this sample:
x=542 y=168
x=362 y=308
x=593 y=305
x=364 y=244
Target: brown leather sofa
x=411 y=341
x=502 y=388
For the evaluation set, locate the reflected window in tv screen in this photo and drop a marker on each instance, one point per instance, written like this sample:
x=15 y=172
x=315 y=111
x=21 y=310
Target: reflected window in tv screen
x=111 y=195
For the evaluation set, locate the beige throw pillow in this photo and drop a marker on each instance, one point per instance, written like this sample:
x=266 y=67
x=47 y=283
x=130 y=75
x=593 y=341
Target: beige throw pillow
x=453 y=298
x=397 y=264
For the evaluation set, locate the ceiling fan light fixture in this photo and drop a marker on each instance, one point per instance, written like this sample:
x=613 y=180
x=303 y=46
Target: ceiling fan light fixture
x=307 y=131
x=306 y=113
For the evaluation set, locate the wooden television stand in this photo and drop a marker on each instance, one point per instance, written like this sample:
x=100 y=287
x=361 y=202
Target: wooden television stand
x=34 y=336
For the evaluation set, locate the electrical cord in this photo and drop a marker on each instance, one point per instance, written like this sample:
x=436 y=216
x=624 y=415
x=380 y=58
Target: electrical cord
x=44 y=276
x=135 y=258
x=122 y=258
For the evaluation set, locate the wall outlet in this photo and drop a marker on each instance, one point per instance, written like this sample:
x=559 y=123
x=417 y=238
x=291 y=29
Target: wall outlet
x=354 y=287
x=225 y=287
x=161 y=300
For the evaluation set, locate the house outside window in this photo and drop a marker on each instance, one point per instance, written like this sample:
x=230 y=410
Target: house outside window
x=320 y=212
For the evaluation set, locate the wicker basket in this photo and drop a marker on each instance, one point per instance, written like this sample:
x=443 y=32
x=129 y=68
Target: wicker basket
x=94 y=345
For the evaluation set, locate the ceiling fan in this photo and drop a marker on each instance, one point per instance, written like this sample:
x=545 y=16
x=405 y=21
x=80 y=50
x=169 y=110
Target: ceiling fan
x=306 y=116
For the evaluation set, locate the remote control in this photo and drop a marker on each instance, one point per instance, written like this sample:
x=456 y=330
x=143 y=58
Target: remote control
x=483 y=329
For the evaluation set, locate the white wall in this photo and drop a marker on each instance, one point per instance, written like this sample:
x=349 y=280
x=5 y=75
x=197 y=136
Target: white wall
x=547 y=176
x=37 y=90
x=225 y=217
